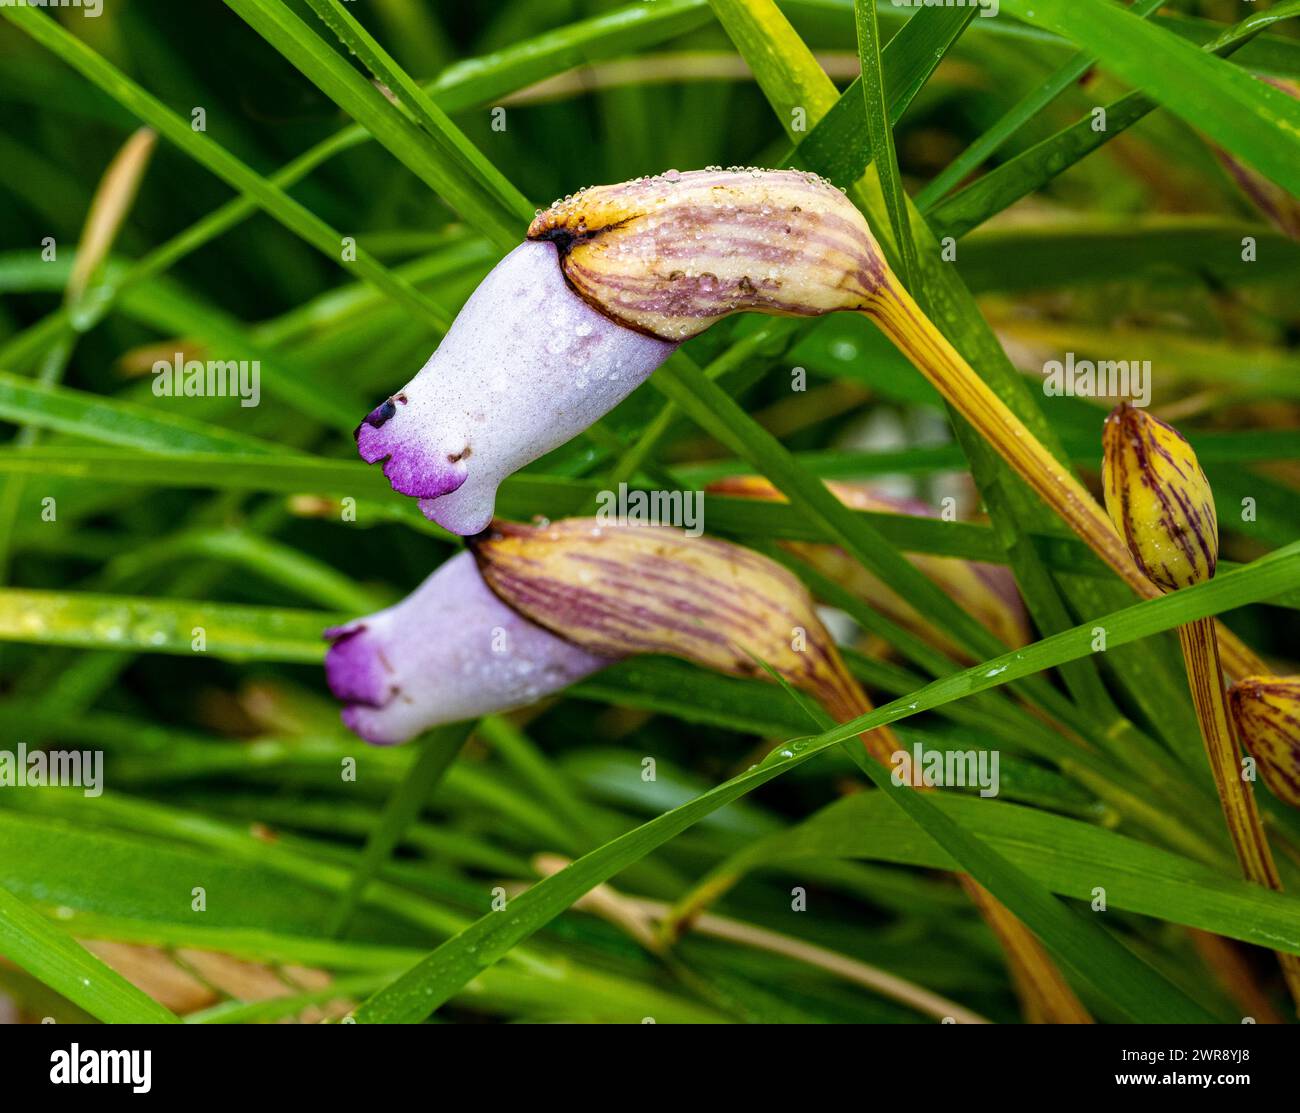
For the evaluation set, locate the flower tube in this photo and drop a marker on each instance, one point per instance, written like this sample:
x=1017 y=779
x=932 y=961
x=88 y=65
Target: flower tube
x=532 y=609
x=526 y=366
x=450 y=650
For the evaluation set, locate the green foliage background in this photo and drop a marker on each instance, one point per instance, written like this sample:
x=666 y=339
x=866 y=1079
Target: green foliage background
x=223 y=767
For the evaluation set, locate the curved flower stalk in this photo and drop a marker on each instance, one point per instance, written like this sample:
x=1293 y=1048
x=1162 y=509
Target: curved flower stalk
x=450 y=650
x=1163 y=506
x=1266 y=710
x=1280 y=208
x=645 y=265
x=986 y=591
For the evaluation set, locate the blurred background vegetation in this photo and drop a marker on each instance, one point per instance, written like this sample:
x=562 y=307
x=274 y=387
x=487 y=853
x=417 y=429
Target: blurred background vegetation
x=223 y=768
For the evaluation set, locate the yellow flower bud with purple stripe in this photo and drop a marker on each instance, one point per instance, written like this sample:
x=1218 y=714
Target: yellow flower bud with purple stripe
x=1159 y=499
x=1266 y=711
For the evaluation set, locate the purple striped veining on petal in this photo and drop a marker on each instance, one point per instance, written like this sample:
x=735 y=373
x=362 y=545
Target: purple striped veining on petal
x=1266 y=712
x=631 y=577
x=620 y=246
x=1190 y=534
x=664 y=598
x=734 y=601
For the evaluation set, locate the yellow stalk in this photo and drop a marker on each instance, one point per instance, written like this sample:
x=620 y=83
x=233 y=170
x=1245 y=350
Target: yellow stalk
x=901 y=319
x=1236 y=797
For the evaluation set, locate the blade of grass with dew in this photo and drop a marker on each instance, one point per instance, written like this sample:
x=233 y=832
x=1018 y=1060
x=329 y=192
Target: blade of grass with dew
x=47 y=952
x=237 y=845
x=114 y=421
x=421 y=990
x=260 y=915
x=909 y=58
x=1068 y=856
x=226 y=630
x=466 y=167
x=613 y=34
x=1070 y=254
x=1248 y=117
x=274 y=562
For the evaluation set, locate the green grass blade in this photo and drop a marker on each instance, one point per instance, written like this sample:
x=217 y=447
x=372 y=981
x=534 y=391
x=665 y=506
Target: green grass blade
x=908 y=60
x=1076 y=940
x=443 y=167
x=880 y=132
x=999 y=189
x=60 y=962
x=1250 y=118
x=206 y=151
x=114 y=421
x=435 y=753
x=1025 y=110
x=1068 y=856
x=466 y=165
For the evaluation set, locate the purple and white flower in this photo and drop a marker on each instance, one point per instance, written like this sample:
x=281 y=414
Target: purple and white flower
x=450 y=650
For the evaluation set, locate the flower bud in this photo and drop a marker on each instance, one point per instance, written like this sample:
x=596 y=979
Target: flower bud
x=671 y=254
x=1266 y=711
x=525 y=367
x=988 y=592
x=1159 y=499
x=451 y=650
x=616 y=590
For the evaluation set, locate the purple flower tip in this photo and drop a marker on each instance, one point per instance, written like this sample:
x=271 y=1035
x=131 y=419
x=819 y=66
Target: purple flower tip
x=449 y=651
